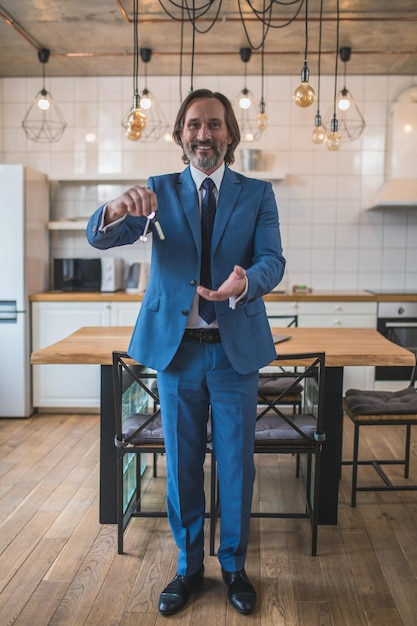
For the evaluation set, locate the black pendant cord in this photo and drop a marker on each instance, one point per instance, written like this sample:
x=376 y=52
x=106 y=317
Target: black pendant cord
x=319 y=57
x=337 y=59
x=135 y=47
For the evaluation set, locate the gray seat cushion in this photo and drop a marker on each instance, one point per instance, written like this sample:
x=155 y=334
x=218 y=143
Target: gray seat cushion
x=273 y=429
x=382 y=402
x=152 y=432
x=275 y=386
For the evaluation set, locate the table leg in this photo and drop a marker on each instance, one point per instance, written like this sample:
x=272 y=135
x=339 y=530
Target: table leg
x=108 y=453
x=332 y=451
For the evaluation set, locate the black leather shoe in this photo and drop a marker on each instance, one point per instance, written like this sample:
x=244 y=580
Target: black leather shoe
x=175 y=595
x=242 y=595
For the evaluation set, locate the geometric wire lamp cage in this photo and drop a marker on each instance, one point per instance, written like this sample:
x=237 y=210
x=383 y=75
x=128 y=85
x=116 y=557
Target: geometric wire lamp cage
x=44 y=122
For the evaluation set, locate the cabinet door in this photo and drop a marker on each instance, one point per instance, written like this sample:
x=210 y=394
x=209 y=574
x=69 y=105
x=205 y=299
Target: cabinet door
x=335 y=314
x=124 y=313
x=65 y=386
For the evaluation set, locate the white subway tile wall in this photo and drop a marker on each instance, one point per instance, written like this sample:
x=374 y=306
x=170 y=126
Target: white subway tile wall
x=330 y=240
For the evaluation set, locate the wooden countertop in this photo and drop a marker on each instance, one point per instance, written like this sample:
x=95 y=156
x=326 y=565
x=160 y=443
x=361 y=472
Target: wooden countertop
x=317 y=296
x=343 y=346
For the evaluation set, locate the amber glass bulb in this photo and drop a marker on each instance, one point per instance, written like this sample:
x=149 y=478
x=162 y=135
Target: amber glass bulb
x=319 y=134
x=304 y=95
x=262 y=121
x=333 y=139
x=134 y=124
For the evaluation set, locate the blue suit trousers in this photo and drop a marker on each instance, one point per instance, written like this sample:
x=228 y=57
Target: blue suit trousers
x=201 y=377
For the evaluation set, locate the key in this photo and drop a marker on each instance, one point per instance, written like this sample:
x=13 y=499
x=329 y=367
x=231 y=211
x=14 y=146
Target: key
x=149 y=219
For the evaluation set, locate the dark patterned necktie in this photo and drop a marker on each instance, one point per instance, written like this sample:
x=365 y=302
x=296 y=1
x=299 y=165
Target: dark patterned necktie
x=208 y=211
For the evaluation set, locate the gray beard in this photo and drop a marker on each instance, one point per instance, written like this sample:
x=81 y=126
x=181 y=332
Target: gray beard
x=207 y=162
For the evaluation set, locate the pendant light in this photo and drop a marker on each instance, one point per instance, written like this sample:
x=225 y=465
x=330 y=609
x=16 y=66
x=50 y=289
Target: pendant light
x=246 y=107
x=156 y=122
x=319 y=134
x=351 y=121
x=44 y=122
x=135 y=121
x=304 y=95
x=334 y=140
x=262 y=120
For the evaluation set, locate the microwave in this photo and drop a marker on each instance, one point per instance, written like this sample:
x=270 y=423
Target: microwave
x=88 y=274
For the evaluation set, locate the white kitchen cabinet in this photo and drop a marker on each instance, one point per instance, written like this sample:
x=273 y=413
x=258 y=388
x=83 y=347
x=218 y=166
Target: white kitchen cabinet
x=72 y=386
x=343 y=315
x=337 y=314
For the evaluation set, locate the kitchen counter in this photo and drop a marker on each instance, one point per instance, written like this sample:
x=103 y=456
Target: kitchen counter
x=315 y=296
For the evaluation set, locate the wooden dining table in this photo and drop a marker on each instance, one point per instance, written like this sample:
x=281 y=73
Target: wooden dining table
x=342 y=347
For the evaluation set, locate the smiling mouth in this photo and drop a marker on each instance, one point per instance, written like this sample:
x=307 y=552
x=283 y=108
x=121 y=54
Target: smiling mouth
x=203 y=147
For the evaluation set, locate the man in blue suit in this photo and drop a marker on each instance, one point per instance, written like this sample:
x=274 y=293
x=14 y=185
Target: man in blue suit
x=206 y=362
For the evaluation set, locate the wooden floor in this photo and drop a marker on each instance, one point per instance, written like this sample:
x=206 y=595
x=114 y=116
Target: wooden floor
x=59 y=566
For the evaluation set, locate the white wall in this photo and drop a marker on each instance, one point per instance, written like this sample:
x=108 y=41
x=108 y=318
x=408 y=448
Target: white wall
x=330 y=240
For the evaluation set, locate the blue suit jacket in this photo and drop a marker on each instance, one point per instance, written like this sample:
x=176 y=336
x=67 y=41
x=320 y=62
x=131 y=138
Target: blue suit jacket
x=246 y=233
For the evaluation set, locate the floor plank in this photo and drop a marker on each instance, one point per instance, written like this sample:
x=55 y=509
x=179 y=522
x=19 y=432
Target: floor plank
x=59 y=566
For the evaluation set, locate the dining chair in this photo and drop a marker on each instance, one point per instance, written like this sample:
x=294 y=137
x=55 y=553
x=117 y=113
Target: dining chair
x=280 y=431
x=381 y=408
x=139 y=432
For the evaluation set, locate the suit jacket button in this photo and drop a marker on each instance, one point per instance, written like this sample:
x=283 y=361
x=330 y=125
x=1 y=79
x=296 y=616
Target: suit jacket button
x=185 y=312
x=193 y=282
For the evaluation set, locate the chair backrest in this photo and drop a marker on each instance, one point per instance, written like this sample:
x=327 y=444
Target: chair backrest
x=310 y=373
x=136 y=410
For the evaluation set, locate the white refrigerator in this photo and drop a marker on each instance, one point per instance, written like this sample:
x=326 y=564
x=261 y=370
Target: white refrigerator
x=24 y=257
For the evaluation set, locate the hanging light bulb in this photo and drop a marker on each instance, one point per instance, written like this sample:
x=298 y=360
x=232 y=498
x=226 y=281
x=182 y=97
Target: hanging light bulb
x=251 y=119
x=304 y=95
x=156 y=122
x=351 y=121
x=44 y=122
x=319 y=134
x=135 y=121
x=334 y=139
x=344 y=98
x=244 y=100
x=343 y=101
x=262 y=120
x=43 y=102
x=145 y=100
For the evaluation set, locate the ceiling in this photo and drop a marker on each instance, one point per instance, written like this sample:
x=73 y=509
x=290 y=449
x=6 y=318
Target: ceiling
x=96 y=38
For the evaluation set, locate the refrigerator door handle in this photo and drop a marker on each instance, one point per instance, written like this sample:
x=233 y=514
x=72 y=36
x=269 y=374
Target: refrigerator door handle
x=8 y=311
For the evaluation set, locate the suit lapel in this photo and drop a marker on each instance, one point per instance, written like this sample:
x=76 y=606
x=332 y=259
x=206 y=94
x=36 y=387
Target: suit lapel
x=230 y=190
x=188 y=197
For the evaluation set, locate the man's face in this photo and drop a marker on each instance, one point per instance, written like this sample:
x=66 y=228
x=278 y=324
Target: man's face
x=205 y=137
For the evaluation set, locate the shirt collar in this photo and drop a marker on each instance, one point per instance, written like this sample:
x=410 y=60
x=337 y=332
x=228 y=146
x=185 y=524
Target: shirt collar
x=199 y=176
